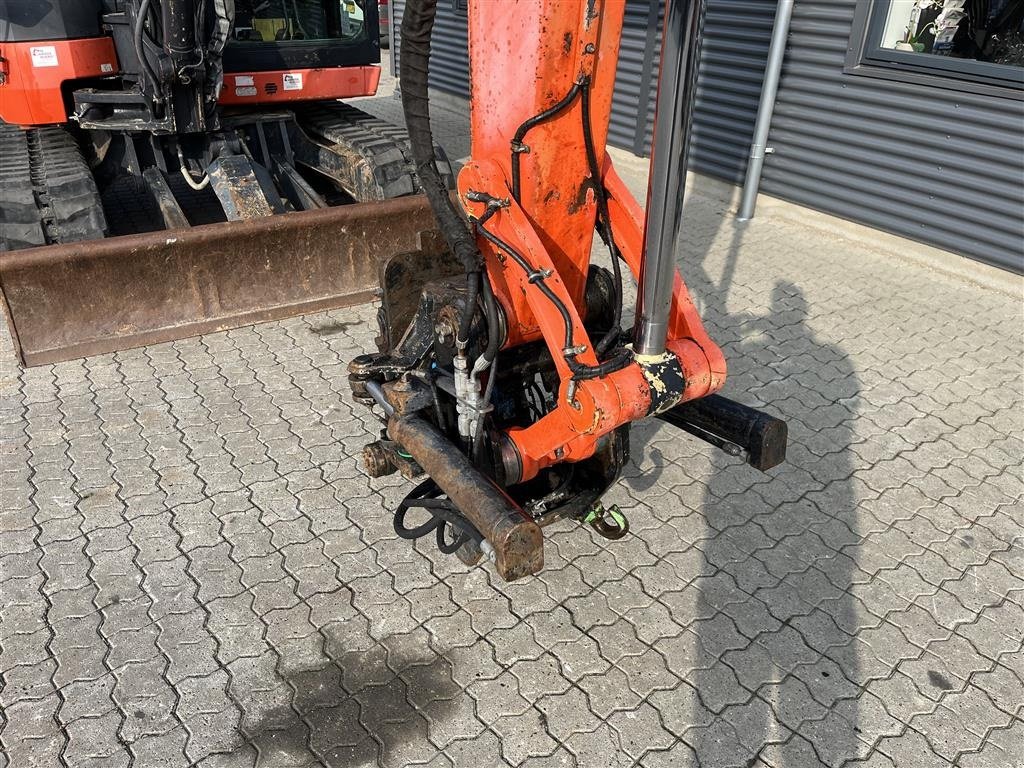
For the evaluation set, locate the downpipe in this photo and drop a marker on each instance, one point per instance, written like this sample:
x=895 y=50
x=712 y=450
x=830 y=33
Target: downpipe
x=759 y=147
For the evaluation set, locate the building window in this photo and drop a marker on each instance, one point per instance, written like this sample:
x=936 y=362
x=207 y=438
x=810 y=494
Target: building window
x=976 y=41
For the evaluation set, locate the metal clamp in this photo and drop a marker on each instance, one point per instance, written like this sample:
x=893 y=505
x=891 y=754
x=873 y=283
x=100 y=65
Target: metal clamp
x=609 y=523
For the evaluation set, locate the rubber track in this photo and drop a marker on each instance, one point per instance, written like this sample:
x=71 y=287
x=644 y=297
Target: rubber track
x=20 y=218
x=71 y=206
x=385 y=147
x=47 y=191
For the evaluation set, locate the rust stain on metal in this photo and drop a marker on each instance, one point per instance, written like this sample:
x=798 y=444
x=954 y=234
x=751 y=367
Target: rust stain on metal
x=81 y=299
x=517 y=540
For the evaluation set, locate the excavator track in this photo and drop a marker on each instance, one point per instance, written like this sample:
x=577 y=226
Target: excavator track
x=383 y=167
x=20 y=219
x=47 y=191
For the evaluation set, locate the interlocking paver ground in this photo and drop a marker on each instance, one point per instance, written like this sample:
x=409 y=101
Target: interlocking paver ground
x=195 y=570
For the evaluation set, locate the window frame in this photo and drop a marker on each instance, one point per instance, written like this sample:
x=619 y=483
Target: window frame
x=866 y=58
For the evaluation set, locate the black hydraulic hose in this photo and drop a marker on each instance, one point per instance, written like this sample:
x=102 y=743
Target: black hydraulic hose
x=517 y=141
x=442 y=514
x=487 y=292
x=604 y=220
x=536 y=278
x=148 y=73
x=491 y=313
x=580 y=88
x=579 y=371
x=472 y=291
x=583 y=372
x=417 y=25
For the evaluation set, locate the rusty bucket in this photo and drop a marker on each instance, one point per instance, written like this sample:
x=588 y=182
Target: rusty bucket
x=68 y=301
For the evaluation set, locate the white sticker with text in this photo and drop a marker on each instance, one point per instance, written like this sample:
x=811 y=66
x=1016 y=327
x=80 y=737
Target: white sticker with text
x=44 y=56
x=293 y=81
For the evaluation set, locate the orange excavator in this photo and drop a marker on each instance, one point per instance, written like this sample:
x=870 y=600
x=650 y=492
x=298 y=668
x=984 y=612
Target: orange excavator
x=506 y=382
x=506 y=377
x=148 y=149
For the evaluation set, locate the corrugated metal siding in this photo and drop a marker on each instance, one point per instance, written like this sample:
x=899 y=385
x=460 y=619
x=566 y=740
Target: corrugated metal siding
x=632 y=118
x=735 y=49
x=449 y=46
x=737 y=34
x=938 y=166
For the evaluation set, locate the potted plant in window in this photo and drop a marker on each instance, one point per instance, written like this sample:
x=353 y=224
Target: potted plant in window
x=913 y=42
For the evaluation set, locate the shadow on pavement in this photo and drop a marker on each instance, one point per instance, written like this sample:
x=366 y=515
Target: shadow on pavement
x=346 y=714
x=773 y=593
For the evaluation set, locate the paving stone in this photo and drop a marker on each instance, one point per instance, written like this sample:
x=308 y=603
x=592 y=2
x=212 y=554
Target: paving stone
x=717 y=745
x=196 y=570
x=640 y=730
x=449 y=721
x=484 y=749
x=679 y=755
x=515 y=644
x=597 y=748
x=498 y=698
x=539 y=678
x=92 y=742
x=580 y=657
x=525 y=737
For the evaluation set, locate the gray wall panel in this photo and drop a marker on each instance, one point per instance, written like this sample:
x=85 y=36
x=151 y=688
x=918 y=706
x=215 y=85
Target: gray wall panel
x=939 y=166
x=633 y=99
x=735 y=48
x=449 y=49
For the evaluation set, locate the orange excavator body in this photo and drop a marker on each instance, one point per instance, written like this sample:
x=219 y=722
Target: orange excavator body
x=546 y=48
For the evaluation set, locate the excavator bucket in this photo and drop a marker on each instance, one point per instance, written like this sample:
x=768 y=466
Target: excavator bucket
x=69 y=301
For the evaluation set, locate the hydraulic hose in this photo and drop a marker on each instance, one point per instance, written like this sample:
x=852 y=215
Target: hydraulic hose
x=148 y=73
x=417 y=26
x=604 y=223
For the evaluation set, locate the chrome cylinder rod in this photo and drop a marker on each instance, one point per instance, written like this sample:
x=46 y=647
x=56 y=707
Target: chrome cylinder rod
x=677 y=85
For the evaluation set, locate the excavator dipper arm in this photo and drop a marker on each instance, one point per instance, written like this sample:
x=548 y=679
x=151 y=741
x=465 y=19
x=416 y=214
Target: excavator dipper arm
x=515 y=372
